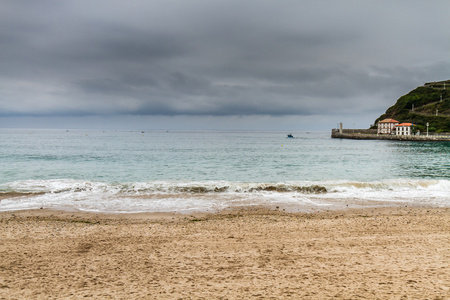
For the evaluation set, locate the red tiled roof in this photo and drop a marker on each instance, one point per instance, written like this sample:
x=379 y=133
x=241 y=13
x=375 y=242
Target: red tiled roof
x=389 y=121
x=404 y=125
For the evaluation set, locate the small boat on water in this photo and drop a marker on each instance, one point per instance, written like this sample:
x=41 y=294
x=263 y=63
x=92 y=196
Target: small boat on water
x=290 y=136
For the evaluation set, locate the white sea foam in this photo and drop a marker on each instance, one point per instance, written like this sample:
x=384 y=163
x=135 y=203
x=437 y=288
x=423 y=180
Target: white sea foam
x=184 y=196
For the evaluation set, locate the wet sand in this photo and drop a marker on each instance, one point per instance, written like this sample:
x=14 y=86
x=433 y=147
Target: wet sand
x=254 y=253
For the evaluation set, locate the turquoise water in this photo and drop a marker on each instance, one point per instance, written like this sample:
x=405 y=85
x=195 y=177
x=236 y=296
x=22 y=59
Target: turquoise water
x=118 y=171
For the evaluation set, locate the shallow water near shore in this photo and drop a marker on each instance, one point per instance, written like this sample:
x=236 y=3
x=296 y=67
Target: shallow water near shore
x=187 y=171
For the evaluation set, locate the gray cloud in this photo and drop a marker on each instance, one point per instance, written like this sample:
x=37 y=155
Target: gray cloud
x=221 y=58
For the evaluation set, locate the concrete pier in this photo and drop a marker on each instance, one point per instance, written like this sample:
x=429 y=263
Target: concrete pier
x=371 y=134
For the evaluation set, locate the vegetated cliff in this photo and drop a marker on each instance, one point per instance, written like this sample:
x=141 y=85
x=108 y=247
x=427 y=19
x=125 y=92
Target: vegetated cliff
x=423 y=105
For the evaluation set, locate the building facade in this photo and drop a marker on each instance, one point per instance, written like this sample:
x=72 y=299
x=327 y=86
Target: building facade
x=387 y=126
x=403 y=129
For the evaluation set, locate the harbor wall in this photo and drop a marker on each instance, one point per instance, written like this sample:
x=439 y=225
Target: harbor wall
x=371 y=134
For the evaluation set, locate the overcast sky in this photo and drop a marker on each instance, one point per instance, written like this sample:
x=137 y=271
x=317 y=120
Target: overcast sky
x=215 y=64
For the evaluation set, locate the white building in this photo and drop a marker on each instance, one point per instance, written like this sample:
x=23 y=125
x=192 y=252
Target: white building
x=387 y=126
x=403 y=129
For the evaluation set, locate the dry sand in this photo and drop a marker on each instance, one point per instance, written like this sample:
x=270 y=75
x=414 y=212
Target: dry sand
x=390 y=253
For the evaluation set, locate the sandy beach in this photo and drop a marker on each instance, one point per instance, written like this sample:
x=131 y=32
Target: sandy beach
x=254 y=253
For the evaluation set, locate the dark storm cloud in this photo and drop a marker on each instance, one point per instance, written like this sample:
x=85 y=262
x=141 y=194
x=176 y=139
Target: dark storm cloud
x=217 y=58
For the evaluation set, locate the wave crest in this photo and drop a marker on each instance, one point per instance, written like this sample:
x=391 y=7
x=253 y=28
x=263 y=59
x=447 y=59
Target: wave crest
x=312 y=189
x=203 y=196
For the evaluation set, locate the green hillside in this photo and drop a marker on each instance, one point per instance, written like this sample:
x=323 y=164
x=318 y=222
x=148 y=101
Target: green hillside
x=423 y=105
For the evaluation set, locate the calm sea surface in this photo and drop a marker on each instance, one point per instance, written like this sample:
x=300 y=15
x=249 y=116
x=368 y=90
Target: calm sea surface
x=184 y=171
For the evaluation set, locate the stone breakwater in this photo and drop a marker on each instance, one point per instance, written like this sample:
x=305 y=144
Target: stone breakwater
x=371 y=134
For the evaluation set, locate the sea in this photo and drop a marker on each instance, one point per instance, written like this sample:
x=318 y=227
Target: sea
x=113 y=171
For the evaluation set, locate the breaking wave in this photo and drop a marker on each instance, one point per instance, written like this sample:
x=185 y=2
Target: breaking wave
x=184 y=196
x=142 y=188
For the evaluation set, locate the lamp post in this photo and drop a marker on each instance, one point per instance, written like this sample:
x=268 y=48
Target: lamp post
x=427 y=128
